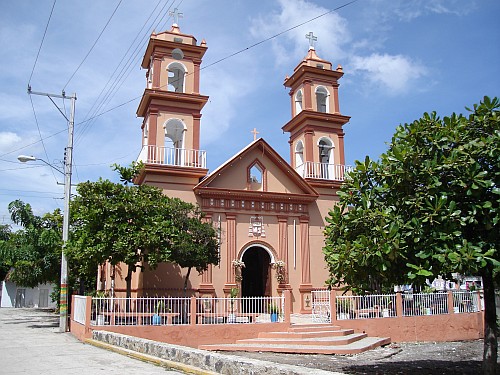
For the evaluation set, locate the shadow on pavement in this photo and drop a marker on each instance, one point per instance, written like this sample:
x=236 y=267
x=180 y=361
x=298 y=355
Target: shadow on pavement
x=427 y=367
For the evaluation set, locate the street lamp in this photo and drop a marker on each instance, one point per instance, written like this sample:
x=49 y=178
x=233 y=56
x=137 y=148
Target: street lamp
x=26 y=158
x=68 y=163
x=63 y=300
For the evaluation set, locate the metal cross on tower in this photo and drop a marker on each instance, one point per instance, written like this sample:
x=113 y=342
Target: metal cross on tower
x=255 y=132
x=312 y=39
x=176 y=15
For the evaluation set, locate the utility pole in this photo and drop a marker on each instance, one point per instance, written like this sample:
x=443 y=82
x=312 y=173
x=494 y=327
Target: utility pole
x=68 y=163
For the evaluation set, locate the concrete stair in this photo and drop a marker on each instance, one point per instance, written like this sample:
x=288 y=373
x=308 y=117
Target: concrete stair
x=310 y=339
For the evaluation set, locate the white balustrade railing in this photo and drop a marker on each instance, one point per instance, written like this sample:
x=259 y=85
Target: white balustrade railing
x=368 y=306
x=240 y=310
x=323 y=171
x=80 y=309
x=173 y=156
x=321 y=310
x=466 y=301
x=140 y=311
x=177 y=310
x=415 y=304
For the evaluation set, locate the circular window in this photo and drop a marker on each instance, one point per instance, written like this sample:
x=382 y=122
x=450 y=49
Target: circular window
x=177 y=54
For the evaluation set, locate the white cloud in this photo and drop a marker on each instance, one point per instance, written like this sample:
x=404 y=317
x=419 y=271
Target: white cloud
x=409 y=10
x=393 y=72
x=221 y=109
x=8 y=141
x=331 y=30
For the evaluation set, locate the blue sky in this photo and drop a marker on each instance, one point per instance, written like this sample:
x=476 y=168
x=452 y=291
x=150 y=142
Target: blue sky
x=401 y=58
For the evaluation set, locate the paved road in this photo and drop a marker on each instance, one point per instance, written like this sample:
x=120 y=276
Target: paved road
x=30 y=343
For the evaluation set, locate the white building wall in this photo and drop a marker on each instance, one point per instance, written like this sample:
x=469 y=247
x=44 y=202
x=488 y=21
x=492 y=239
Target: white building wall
x=14 y=296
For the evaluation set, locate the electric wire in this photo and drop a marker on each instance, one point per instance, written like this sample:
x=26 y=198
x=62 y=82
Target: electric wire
x=33 y=143
x=277 y=35
x=93 y=109
x=91 y=48
x=97 y=115
x=233 y=54
x=41 y=44
x=40 y=134
x=126 y=69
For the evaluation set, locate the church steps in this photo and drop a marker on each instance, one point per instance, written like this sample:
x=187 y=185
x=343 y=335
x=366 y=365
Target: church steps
x=313 y=327
x=356 y=347
x=301 y=335
x=291 y=340
x=318 y=339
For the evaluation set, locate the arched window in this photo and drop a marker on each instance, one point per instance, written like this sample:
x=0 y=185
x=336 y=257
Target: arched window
x=256 y=176
x=174 y=142
x=146 y=132
x=325 y=147
x=298 y=102
x=176 y=73
x=299 y=158
x=322 y=99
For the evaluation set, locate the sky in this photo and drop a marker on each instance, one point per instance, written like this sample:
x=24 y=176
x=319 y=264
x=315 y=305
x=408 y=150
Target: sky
x=401 y=58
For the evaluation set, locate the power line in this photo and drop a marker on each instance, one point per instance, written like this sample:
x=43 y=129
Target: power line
x=233 y=54
x=91 y=48
x=126 y=69
x=33 y=143
x=277 y=35
x=205 y=67
x=43 y=38
x=40 y=134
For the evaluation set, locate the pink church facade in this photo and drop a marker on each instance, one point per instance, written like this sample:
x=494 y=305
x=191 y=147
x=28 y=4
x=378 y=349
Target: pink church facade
x=269 y=212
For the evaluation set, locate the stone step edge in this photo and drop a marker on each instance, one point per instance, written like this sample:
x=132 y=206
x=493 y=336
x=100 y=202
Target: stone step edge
x=335 y=333
x=313 y=327
x=151 y=359
x=294 y=349
x=203 y=356
x=323 y=341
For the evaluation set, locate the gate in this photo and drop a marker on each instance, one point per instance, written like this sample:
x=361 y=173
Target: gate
x=321 y=306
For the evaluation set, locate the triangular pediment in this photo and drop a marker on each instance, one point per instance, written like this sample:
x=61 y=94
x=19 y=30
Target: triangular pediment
x=240 y=176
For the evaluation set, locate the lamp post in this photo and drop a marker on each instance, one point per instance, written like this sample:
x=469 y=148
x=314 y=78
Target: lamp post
x=63 y=300
x=68 y=162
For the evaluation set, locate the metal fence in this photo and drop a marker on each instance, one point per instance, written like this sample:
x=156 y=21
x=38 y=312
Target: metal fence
x=369 y=306
x=321 y=310
x=240 y=310
x=384 y=305
x=178 y=310
x=466 y=301
x=415 y=304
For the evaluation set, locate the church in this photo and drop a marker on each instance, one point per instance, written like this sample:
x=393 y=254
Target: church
x=269 y=209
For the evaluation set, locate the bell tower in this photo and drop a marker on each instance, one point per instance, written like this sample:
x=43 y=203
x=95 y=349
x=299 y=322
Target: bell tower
x=171 y=108
x=316 y=134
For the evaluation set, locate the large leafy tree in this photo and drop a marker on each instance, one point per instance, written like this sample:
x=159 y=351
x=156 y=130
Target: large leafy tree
x=5 y=262
x=196 y=244
x=33 y=253
x=135 y=225
x=429 y=206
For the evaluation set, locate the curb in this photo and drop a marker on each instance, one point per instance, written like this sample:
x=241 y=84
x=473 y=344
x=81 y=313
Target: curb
x=195 y=361
x=151 y=359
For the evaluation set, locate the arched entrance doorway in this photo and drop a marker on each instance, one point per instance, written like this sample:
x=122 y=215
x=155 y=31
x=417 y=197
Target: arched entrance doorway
x=256 y=275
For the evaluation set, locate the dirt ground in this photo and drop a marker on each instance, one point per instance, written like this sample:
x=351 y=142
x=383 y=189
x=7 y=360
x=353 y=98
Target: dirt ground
x=430 y=358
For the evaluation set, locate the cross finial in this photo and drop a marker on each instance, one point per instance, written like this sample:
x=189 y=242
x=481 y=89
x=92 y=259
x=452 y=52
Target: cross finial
x=312 y=39
x=255 y=132
x=176 y=15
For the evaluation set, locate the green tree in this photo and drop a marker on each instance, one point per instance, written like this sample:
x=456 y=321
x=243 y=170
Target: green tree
x=32 y=253
x=196 y=243
x=135 y=225
x=5 y=263
x=429 y=206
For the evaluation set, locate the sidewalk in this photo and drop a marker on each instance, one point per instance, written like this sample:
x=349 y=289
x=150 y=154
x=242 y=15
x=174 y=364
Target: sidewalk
x=30 y=343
